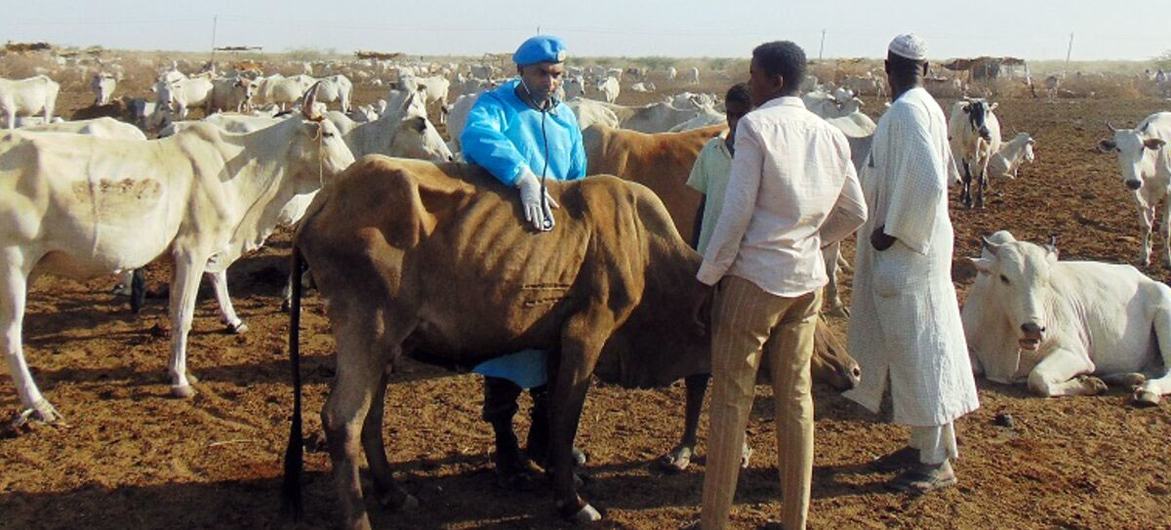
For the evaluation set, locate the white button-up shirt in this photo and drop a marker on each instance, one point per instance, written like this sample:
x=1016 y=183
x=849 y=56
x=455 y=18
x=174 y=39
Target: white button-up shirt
x=792 y=190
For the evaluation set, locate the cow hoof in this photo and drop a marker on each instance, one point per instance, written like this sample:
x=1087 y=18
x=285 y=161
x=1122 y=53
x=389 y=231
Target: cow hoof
x=237 y=329
x=1146 y=398
x=677 y=460
x=587 y=515
x=745 y=456
x=41 y=413
x=1093 y=385
x=183 y=391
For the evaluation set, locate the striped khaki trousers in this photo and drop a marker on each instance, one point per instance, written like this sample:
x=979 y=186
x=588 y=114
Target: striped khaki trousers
x=749 y=322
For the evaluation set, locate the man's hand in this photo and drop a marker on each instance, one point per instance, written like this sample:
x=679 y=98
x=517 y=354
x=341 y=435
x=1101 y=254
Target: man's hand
x=879 y=240
x=540 y=215
x=702 y=307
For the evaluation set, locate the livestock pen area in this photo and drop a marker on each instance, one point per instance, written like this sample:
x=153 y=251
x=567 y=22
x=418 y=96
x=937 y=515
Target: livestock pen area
x=130 y=456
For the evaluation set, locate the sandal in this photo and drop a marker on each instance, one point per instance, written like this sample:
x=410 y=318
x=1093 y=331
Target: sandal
x=924 y=478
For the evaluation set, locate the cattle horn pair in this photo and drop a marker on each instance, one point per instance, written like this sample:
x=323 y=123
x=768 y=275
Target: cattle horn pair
x=308 y=101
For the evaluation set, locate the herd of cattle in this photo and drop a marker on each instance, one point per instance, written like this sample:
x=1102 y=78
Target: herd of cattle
x=131 y=179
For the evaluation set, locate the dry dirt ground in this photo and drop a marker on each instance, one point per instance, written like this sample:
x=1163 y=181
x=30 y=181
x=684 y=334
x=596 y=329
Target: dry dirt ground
x=132 y=457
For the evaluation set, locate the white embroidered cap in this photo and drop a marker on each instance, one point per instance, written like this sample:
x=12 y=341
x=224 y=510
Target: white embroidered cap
x=910 y=46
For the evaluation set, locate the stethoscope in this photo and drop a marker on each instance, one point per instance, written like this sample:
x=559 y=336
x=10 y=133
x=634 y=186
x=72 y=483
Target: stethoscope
x=549 y=105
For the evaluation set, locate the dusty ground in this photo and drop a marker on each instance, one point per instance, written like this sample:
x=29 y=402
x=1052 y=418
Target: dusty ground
x=131 y=457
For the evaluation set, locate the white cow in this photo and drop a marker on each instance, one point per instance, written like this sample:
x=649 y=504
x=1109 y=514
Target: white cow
x=672 y=73
x=336 y=88
x=230 y=94
x=659 y=117
x=180 y=96
x=693 y=75
x=574 y=87
x=282 y=91
x=457 y=118
x=26 y=97
x=1143 y=163
x=974 y=133
x=706 y=116
x=1012 y=154
x=1064 y=327
x=434 y=88
x=859 y=130
x=79 y=206
x=97 y=127
x=590 y=112
x=609 y=88
x=401 y=132
x=102 y=85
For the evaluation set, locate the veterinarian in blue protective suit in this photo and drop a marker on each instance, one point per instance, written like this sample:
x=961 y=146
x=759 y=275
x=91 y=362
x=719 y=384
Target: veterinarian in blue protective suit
x=523 y=136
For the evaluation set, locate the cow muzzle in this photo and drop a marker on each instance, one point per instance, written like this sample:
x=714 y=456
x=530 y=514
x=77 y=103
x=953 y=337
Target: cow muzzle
x=987 y=136
x=1031 y=336
x=1134 y=185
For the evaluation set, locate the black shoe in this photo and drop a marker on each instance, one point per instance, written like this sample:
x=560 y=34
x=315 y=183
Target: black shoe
x=896 y=461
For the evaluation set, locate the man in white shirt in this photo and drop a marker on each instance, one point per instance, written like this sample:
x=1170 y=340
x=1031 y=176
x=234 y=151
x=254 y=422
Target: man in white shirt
x=792 y=190
x=905 y=327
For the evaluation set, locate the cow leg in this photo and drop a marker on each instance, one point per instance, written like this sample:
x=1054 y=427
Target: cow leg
x=981 y=185
x=680 y=457
x=389 y=493
x=1153 y=389
x=13 y=294
x=1145 y=223
x=184 y=287
x=1167 y=231
x=831 y=255
x=581 y=343
x=360 y=372
x=219 y=282
x=1063 y=373
x=966 y=185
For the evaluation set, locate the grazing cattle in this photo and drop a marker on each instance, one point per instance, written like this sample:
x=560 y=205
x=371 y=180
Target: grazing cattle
x=693 y=75
x=643 y=87
x=457 y=118
x=591 y=112
x=974 y=134
x=402 y=251
x=705 y=117
x=672 y=73
x=81 y=206
x=336 y=88
x=26 y=97
x=1064 y=327
x=281 y=90
x=102 y=85
x=180 y=96
x=574 y=87
x=230 y=94
x=865 y=85
x=1052 y=83
x=1006 y=162
x=609 y=89
x=434 y=88
x=1143 y=163
x=659 y=117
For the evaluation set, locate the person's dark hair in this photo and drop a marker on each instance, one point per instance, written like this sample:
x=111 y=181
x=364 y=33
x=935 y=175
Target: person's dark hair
x=739 y=93
x=903 y=68
x=783 y=58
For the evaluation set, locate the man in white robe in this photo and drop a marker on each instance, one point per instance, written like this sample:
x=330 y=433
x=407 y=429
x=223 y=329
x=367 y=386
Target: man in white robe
x=905 y=327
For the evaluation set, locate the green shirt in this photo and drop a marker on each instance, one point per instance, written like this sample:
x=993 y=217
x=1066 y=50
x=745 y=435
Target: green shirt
x=709 y=176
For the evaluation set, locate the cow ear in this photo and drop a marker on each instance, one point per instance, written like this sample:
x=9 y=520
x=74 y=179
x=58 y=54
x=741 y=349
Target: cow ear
x=1105 y=145
x=993 y=107
x=983 y=265
x=1154 y=143
x=419 y=123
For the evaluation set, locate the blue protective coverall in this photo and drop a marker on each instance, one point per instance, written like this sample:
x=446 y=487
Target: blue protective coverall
x=503 y=135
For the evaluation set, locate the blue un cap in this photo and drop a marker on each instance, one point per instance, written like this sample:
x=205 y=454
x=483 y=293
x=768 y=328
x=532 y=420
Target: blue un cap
x=540 y=49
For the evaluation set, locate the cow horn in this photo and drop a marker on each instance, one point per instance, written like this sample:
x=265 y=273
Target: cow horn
x=992 y=247
x=1111 y=127
x=309 y=100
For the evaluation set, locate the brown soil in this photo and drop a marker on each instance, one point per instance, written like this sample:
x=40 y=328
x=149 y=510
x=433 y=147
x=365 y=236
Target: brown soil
x=131 y=457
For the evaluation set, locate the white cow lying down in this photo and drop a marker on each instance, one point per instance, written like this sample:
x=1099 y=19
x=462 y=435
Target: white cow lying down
x=1065 y=327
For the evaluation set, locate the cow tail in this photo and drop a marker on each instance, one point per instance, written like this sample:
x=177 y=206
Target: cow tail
x=291 y=501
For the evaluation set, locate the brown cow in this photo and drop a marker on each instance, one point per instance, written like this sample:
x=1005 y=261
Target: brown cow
x=662 y=162
x=411 y=256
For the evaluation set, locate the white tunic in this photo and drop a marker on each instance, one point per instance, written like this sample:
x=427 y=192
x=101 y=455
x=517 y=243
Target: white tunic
x=905 y=319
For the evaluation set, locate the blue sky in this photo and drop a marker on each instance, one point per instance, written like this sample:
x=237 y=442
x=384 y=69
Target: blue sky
x=1033 y=29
